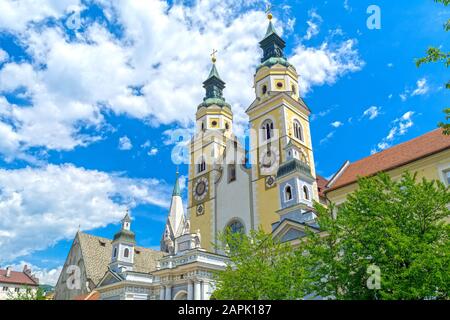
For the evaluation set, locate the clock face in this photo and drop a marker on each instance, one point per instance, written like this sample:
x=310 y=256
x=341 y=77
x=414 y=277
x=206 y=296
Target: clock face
x=200 y=188
x=269 y=161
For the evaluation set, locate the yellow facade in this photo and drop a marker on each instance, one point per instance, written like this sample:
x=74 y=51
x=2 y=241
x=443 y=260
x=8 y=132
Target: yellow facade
x=279 y=108
x=282 y=108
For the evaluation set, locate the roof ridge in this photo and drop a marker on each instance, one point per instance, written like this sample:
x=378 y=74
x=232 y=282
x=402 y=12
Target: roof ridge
x=398 y=145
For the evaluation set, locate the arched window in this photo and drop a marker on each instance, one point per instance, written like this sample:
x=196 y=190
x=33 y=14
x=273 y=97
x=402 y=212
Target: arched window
x=126 y=253
x=203 y=126
x=201 y=166
x=306 y=192
x=236 y=226
x=298 y=132
x=294 y=91
x=288 y=193
x=267 y=128
x=115 y=252
x=264 y=89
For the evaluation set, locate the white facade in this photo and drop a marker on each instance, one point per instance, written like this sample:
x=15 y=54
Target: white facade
x=8 y=290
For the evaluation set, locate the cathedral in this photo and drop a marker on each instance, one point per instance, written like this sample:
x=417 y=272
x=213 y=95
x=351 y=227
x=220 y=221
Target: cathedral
x=281 y=182
x=272 y=185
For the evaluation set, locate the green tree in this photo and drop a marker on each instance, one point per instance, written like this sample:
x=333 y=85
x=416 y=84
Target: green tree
x=436 y=55
x=396 y=226
x=28 y=294
x=261 y=268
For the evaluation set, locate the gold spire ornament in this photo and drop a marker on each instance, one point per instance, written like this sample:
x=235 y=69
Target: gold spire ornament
x=213 y=56
x=269 y=11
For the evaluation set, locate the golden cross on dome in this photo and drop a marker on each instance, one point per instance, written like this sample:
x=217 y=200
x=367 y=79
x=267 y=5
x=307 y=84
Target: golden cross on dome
x=269 y=11
x=213 y=56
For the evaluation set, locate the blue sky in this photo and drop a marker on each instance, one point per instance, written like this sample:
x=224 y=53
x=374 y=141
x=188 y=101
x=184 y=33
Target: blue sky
x=92 y=94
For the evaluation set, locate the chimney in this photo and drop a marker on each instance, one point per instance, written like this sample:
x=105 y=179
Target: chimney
x=26 y=270
x=8 y=272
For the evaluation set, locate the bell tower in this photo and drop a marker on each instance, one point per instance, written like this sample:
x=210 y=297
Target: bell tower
x=122 y=258
x=278 y=115
x=214 y=124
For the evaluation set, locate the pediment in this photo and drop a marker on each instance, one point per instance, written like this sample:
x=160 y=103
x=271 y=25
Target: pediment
x=110 y=277
x=289 y=230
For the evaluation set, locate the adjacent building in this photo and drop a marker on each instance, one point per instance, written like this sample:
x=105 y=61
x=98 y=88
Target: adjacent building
x=427 y=155
x=15 y=282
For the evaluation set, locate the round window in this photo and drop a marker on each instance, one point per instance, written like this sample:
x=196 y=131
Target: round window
x=279 y=84
x=236 y=227
x=214 y=123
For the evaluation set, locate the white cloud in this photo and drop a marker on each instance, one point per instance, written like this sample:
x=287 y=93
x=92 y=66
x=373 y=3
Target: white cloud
x=146 y=144
x=99 y=73
x=314 y=22
x=327 y=137
x=347 y=6
x=125 y=143
x=372 y=112
x=337 y=124
x=17 y=15
x=390 y=65
x=153 y=151
x=3 y=55
x=399 y=128
x=317 y=66
x=422 y=87
x=41 y=206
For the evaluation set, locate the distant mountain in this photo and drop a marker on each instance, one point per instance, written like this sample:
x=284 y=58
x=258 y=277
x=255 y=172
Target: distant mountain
x=47 y=288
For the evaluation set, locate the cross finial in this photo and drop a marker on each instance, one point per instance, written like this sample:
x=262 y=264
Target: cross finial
x=269 y=11
x=213 y=56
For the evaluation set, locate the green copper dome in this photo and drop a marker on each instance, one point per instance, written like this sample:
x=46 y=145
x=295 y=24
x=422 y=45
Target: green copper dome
x=214 y=86
x=273 y=61
x=125 y=236
x=272 y=44
x=176 y=188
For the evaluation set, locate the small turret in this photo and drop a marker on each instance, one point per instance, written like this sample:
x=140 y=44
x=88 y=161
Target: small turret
x=123 y=244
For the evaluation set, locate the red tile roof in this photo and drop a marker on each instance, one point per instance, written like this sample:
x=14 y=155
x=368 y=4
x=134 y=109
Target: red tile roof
x=394 y=157
x=321 y=185
x=94 y=295
x=17 y=278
